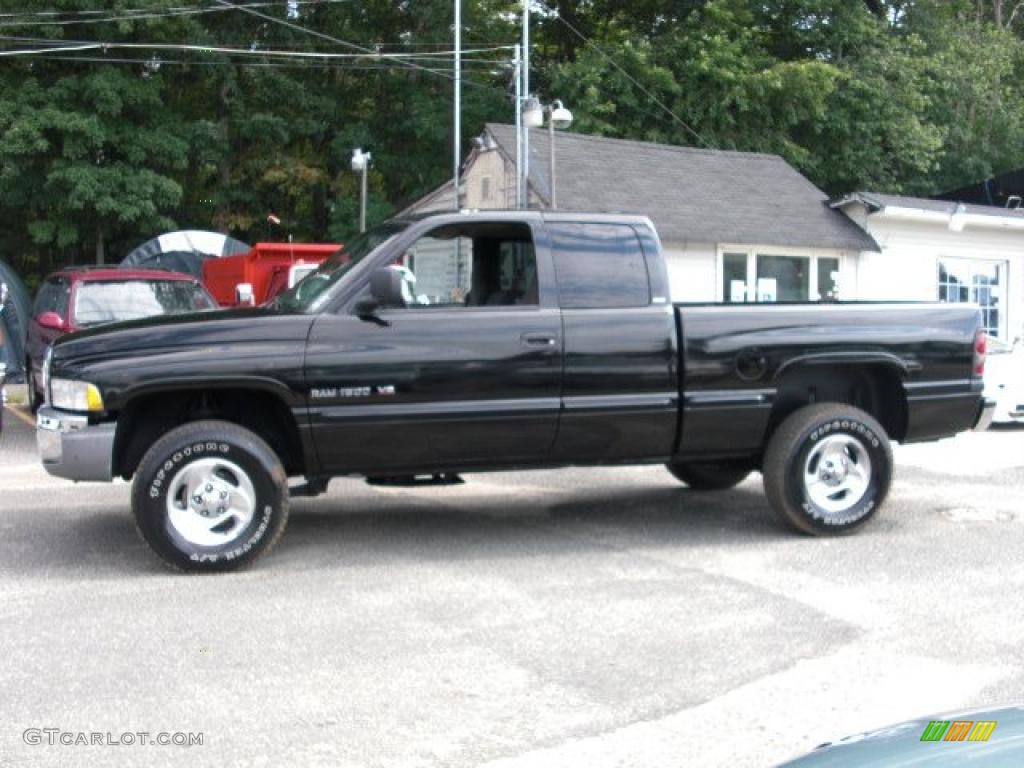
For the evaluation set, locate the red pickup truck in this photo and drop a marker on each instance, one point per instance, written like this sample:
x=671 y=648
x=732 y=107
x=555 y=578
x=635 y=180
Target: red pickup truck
x=263 y=272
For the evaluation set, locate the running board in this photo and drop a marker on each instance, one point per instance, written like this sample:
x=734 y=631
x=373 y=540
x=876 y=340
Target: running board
x=412 y=481
x=314 y=486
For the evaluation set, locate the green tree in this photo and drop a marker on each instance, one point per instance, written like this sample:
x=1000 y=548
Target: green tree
x=88 y=157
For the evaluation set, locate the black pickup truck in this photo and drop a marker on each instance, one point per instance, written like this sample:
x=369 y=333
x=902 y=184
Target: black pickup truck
x=465 y=342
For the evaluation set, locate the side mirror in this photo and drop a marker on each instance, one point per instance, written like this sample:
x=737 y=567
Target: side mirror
x=386 y=287
x=385 y=291
x=244 y=295
x=51 y=321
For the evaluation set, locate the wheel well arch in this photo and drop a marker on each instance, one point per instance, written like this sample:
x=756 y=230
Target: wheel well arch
x=876 y=388
x=147 y=417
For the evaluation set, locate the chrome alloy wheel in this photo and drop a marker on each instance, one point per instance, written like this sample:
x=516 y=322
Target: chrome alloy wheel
x=210 y=502
x=837 y=473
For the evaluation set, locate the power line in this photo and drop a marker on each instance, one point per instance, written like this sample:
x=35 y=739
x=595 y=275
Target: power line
x=136 y=12
x=249 y=47
x=345 y=43
x=299 y=65
x=374 y=46
x=635 y=82
x=156 y=64
x=322 y=35
x=406 y=59
x=104 y=20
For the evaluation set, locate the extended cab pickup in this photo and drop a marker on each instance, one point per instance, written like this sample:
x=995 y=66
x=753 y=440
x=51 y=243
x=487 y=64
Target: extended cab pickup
x=477 y=341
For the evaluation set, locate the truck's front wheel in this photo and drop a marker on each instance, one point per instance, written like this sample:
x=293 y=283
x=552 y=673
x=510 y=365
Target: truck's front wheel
x=827 y=469
x=210 y=496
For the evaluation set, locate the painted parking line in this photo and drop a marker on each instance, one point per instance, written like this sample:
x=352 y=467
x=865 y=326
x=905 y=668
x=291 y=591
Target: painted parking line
x=21 y=416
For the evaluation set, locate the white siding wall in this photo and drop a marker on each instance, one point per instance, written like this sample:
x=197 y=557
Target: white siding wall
x=692 y=270
x=907 y=268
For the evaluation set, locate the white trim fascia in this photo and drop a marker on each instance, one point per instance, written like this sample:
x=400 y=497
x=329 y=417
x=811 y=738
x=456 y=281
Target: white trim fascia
x=783 y=250
x=955 y=220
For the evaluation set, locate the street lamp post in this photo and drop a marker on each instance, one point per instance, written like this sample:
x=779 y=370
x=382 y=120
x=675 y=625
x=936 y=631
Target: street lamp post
x=558 y=118
x=360 y=164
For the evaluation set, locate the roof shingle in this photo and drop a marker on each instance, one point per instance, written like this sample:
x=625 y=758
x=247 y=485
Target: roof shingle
x=692 y=195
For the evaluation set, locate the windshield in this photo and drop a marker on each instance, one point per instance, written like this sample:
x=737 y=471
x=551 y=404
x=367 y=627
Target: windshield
x=98 y=302
x=311 y=292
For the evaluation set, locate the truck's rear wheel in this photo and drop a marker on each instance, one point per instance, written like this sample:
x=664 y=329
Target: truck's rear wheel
x=210 y=496
x=709 y=475
x=827 y=469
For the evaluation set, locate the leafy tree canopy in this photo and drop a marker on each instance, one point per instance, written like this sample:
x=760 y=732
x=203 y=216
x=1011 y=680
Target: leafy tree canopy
x=102 y=148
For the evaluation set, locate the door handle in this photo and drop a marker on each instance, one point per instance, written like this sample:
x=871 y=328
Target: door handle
x=538 y=339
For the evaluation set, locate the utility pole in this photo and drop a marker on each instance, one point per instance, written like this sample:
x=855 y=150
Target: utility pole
x=517 y=62
x=525 y=167
x=551 y=156
x=457 y=124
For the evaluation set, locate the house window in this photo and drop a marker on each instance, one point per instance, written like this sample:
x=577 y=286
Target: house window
x=783 y=278
x=734 y=277
x=828 y=279
x=767 y=277
x=485 y=188
x=979 y=281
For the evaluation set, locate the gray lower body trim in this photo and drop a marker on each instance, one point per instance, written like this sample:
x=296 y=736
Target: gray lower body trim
x=655 y=401
x=723 y=398
x=466 y=410
x=461 y=409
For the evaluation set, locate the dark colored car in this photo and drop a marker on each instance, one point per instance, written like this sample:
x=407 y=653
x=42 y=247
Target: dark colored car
x=86 y=297
x=482 y=341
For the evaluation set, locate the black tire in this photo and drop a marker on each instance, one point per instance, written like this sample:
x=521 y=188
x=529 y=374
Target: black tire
x=709 y=475
x=827 y=469
x=187 y=489
x=34 y=398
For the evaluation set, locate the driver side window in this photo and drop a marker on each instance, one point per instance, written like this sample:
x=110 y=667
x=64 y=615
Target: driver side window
x=470 y=265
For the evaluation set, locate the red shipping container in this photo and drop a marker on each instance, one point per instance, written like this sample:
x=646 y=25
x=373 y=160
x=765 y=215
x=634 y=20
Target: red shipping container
x=269 y=268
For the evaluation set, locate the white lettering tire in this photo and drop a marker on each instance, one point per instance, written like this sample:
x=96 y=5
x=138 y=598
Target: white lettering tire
x=210 y=496
x=827 y=469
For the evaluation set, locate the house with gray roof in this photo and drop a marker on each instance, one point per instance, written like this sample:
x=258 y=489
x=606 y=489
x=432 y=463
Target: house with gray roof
x=743 y=226
x=735 y=226
x=942 y=250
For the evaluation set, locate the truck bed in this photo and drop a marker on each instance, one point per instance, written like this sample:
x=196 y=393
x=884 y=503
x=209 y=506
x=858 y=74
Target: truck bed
x=742 y=363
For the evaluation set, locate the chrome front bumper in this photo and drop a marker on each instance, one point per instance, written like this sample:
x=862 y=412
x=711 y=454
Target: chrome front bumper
x=72 y=448
x=985 y=413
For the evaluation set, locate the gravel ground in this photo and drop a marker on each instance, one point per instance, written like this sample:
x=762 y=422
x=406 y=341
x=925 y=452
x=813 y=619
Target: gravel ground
x=601 y=617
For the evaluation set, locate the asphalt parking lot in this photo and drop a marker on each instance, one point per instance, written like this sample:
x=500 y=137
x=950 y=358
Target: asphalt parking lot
x=566 y=618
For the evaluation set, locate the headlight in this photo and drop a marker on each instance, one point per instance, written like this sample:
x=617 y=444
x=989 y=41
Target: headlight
x=71 y=395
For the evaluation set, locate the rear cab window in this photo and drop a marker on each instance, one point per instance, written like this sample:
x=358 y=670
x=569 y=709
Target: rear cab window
x=599 y=265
